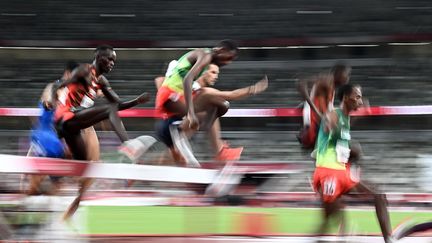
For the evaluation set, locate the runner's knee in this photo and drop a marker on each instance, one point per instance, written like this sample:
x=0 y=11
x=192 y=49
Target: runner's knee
x=112 y=107
x=223 y=108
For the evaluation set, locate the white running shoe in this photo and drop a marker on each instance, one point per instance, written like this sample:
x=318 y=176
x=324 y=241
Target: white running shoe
x=225 y=182
x=135 y=148
x=181 y=142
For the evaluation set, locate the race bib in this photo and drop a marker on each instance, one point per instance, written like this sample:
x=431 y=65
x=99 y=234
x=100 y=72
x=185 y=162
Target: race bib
x=345 y=134
x=86 y=102
x=63 y=95
x=355 y=173
x=342 y=151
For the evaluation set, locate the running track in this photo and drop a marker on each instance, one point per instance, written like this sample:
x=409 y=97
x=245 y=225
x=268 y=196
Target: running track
x=216 y=239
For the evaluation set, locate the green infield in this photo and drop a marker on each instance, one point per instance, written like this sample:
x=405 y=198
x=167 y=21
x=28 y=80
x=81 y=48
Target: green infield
x=170 y=220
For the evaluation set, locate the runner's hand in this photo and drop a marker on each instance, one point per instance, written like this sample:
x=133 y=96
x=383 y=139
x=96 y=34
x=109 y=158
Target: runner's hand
x=193 y=121
x=330 y=120
x=260 y=86
x=47 y=105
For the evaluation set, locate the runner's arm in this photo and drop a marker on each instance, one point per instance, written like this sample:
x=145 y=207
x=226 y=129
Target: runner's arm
x=142 y=98
x=107 y=91
x=200 y=60
x=330 y=120
x=158 y=81
x=47 y=99
x=112 y=96
x=80 y=74
x=257 y=88
x=303 y=90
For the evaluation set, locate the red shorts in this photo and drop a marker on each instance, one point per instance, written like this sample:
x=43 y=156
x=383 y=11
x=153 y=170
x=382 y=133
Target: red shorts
x=163 y=95
x=333 y=183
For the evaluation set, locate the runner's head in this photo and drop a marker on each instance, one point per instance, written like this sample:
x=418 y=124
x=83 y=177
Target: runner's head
x=341 y=73
x=224 y=53
x=211 y=75
x=104 y=58
x=350 y=96
x=69 y=67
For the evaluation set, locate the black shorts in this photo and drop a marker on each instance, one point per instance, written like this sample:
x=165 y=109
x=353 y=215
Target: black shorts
x=62 y=132
x=163 y=132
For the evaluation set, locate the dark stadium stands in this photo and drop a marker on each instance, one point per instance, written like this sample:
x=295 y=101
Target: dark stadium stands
x=171 y=23
x=385 y=81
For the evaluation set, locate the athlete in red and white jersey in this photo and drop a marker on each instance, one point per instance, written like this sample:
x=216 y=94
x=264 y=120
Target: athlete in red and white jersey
x=320 y=100
x=76 y=109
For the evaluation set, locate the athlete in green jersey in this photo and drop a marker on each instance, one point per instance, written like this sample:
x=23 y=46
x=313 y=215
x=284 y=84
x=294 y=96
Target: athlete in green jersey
x=174 y=97
x=174 y=78
x=203 y=85
x=179 y=83
x=333 y=176
x=333 y=146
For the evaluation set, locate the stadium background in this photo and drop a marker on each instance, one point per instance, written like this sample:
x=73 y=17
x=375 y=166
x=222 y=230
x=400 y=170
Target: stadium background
x=387 y=43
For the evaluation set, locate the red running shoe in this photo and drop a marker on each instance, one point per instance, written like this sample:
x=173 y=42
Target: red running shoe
x=229 y=154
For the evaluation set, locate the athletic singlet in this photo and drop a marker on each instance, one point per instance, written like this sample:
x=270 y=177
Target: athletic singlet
x=44 y=139
x=175 y=79
x=333 y=148
x=75 y=95
x=323 y=103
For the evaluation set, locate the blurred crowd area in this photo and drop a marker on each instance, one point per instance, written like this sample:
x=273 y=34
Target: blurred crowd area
x=389 y=75
x=180 y=23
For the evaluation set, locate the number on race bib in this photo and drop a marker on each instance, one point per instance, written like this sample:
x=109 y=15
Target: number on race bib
x=329 y=187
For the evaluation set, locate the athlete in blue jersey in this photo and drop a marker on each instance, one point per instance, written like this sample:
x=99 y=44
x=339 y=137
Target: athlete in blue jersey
x=44 y=138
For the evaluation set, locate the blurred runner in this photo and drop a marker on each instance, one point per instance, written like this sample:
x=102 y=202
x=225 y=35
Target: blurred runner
x=174 y=97
x=202 y=86
x=335 y=174
x=76 y=110
x=44 y=139
x=319 y=100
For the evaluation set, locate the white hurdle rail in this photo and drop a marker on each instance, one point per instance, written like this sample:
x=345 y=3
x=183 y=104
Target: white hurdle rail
x=61 y=167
